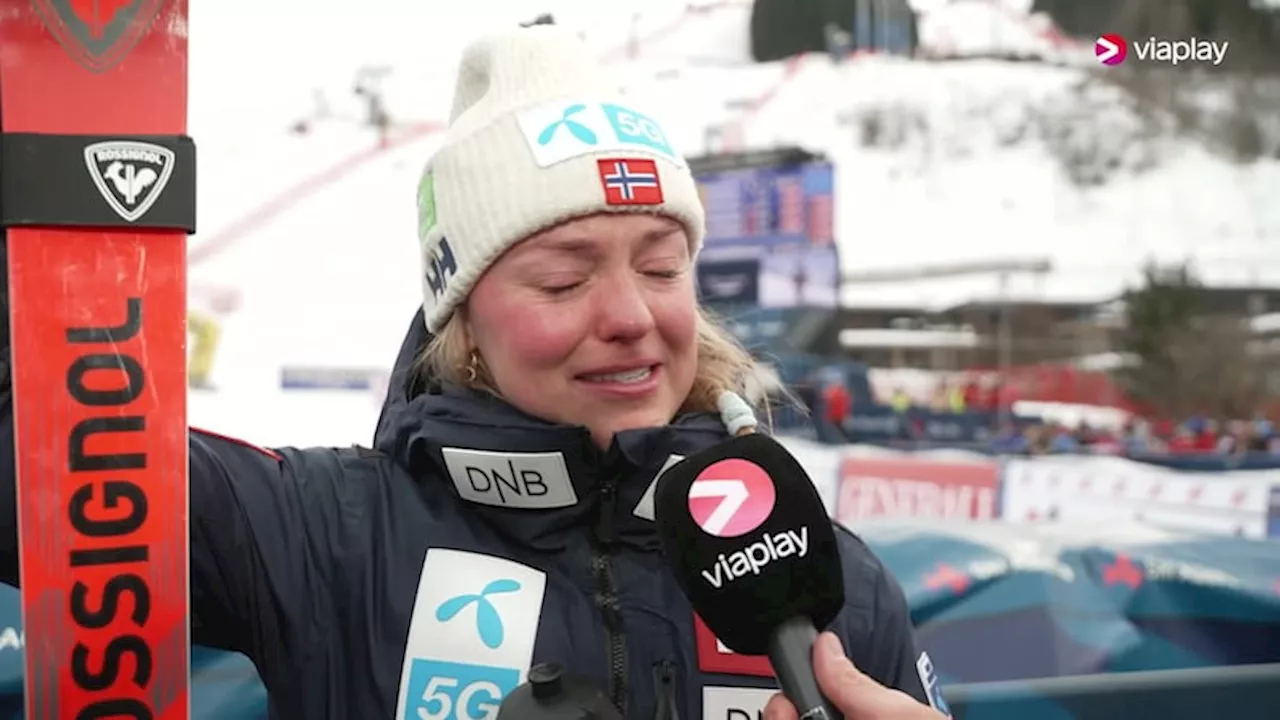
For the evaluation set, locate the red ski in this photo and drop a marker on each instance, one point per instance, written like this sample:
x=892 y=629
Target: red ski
x=97 y=196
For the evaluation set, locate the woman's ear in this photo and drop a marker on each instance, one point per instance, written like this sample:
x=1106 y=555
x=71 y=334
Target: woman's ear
x=464 y=322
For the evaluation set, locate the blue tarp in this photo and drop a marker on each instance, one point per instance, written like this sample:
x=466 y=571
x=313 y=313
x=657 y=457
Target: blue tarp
x=1006 y=602
x=224 y=686
x=992 y=602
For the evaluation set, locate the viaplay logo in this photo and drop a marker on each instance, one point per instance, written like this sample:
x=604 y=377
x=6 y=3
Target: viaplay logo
x=1111 y=49
x=731 y=498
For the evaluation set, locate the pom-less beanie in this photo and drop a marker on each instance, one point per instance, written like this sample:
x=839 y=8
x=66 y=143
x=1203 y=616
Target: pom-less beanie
x=538 y=135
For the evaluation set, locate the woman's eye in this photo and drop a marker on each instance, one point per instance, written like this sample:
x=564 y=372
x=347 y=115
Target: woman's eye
x=559 y=289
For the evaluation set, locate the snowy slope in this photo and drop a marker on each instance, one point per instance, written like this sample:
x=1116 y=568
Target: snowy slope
x=969 y=178
x=331 y=286
x=331 y=280
x=984 y=28
x=966 y=168
x=963 y=170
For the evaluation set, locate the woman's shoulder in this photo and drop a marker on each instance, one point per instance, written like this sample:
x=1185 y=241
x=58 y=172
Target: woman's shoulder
x=361 y=487
x=872 y=594
x=351 y=466
x=859 y=560
x=875 y=624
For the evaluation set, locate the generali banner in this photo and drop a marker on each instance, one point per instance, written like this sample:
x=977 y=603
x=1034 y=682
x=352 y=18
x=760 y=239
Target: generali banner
x=906 y=487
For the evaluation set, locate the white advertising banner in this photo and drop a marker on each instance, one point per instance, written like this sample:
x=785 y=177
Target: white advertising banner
x=1105 y=488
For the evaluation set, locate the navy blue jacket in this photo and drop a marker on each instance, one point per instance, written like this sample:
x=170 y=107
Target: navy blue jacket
x=404 y=581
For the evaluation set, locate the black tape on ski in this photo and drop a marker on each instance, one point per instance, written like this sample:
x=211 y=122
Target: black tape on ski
x=109 y=181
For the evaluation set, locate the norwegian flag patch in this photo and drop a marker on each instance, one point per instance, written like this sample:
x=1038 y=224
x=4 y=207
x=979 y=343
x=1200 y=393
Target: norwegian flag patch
x=630 y=181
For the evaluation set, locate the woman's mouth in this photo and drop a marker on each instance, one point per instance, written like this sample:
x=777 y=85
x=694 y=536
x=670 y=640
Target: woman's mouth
x=619 y=381
x=623 y=377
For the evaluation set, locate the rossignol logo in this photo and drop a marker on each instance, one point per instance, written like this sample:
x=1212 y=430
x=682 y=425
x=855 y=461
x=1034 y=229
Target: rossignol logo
x=98 y=35
x=129 y=174
x=753 y=558
x=98 y=418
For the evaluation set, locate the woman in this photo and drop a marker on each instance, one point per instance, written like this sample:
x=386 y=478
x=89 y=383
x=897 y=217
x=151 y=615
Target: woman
x=558 y=363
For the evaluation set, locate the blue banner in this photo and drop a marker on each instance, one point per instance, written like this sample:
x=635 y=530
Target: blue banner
x=1273 y=515
x=322 y=378
x=881 y=424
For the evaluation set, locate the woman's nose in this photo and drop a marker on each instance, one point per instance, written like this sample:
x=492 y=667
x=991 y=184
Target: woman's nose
x=622 y=310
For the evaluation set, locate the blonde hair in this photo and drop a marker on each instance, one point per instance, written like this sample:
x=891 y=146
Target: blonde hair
x=723 y=364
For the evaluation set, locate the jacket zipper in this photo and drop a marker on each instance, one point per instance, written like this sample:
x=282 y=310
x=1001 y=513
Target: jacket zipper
x=664 y=682
x=607 y=597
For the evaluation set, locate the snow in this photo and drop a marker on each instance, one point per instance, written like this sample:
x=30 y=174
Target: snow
x=967 y=169
x=329 y=289
x=963 y=172
x=937 y=163
x=976 y=28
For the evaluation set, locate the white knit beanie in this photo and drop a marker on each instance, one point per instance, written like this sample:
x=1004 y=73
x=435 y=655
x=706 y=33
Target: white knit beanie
x=538 y=135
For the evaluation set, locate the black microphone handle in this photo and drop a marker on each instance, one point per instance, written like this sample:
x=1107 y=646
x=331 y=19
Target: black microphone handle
x=791 y=653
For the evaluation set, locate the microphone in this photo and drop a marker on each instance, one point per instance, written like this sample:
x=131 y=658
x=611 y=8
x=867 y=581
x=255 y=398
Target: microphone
x=550 y=694
x=749 y=540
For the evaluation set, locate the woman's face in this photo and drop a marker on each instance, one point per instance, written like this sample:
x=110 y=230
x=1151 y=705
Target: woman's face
x=592 y=322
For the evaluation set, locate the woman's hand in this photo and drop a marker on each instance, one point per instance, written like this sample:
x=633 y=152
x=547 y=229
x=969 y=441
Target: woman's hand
x=852 y=693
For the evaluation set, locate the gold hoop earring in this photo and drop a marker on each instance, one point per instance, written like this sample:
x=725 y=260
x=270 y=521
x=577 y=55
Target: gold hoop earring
x=473 y=367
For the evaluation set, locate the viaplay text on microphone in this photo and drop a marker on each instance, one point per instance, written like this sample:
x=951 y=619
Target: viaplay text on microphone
x=755 y=557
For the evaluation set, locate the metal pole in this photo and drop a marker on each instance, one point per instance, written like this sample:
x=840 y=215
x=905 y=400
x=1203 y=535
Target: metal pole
x=633 y=37
x=862 y=25
x=883 y=23
x=1235 y=691
x=1004 y=347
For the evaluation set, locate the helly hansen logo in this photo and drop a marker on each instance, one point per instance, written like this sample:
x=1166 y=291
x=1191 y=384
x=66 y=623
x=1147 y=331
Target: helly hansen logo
x=529 y=481
x=441 y=266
